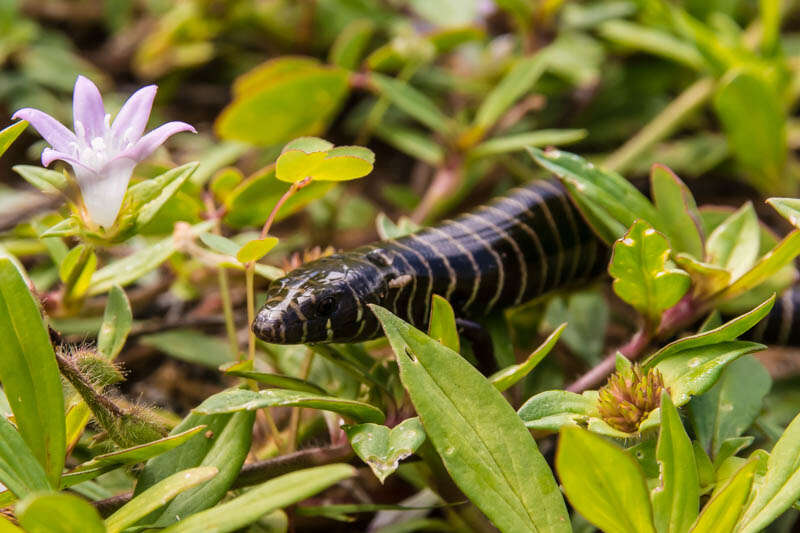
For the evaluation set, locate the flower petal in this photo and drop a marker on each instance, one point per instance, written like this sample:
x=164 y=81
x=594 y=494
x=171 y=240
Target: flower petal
x=132 y=118
x=103 y=191
x=49 y=155
x=148 y=144
x=87 y=109
x=54 y=132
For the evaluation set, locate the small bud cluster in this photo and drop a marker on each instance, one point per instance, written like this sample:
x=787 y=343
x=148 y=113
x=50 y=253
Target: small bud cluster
x=629 y=397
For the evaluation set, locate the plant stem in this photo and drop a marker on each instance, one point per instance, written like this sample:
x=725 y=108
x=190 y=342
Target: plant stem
x=251 y=309
x=632 y=350
x=663 y=125
x=227 y=311
x=294 y=421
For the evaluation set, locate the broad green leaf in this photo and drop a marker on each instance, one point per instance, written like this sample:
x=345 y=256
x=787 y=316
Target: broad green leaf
x=157 y=496
x=728 y=449
x=603 y=483
x=678 y=210
x=7 y=526
x=29 y=373
x=46 y=180
x=652 y=41
x=412 y=101
x=9 y=135
x=224 y=182
x=520 y=141
x=223 y=445
x=256 y=249
x=778 y=489
x=348 y=48
x=721 y=513
x=695 y=370
x=734 y=244
x=251 y=202
x=244 y=370
x=676 y=500
x=707 y=279
x=550 y=410
x=308 y=145
x=724 y=333
x=731 y=405
x=292 y=104
x=345 y=163
x=509 y=376
x=517 y=82
x=265 y=498
x=443 y=323
x=20 y=472
x=191 y=345
x=117 y=321
x=76 y=270
x=475 y=431
x=136 y=454
x=642 y=276
x=607 y=194
x=234 y=400
x=52 y=512
x=272 y=71
x=220 y=244
x=383 y=448
x=296 y=165
x=761 y=156
x=131 y=268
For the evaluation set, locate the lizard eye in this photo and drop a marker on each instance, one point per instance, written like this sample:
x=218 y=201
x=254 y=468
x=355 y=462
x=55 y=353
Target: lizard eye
x=326 y=306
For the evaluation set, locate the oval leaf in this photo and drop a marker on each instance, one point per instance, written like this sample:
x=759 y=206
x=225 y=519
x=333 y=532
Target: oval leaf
x=255 y=250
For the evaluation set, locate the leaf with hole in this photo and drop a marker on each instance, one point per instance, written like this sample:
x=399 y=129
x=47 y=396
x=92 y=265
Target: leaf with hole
x=383 y=448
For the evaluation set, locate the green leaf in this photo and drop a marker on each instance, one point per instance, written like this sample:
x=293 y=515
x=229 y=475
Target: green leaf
x=223 y=445
x=383 y=448
x=789 y=208
x=761 y=156
x=256 y=249
x=778 y=489
x=520 y=141
x=550 y=410
x=519 y=81
x=76 y=270
x=641 y=274
x=135 y=454
x=348 y=48
x=292 y=101
x=417 y=144
x=265 y=498
x=191 y=345
x=652 y=41
x=66 y=228
x=220 y=244
x=29 y=373
x=707 y=279
x=734 y=244
x=131 y=268
x=724 y=333
x=308 y=145
x=20 y=472
x=613 y=202
x=389 y=230
x=676 y=205
x=243 y=370
x=721 y=513
x=296 y=165
x=475 y=431
x=731 y=405
x=52 y=512
x=224 y=182
x=768 y=265
x=443 y=323
x=676 y=500
x=233 y=400
x=509 y=376
x=695 y=370
x=7 y=526
x=46 y=180
x=149 y=196
x=603 y=483
x=117 y=321
x=412 y=101
x=345 y=163
x=10 y=134
x=157 y=496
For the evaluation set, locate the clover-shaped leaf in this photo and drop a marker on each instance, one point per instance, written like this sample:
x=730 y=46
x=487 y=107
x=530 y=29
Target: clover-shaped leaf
x=315 y=158
x=256 y=249
x=383 y=448
x=642 y=276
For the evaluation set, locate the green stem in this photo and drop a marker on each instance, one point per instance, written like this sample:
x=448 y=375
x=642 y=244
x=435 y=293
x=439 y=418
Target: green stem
x=294 y=421
x=663 y=125
x=227 y=311
x=251 y=311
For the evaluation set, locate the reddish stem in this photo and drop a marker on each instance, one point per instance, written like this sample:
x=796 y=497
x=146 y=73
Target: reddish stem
x=296 y=186
x=632 y=350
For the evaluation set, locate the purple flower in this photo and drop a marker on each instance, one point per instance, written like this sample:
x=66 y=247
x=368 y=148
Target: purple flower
x=102 y=154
